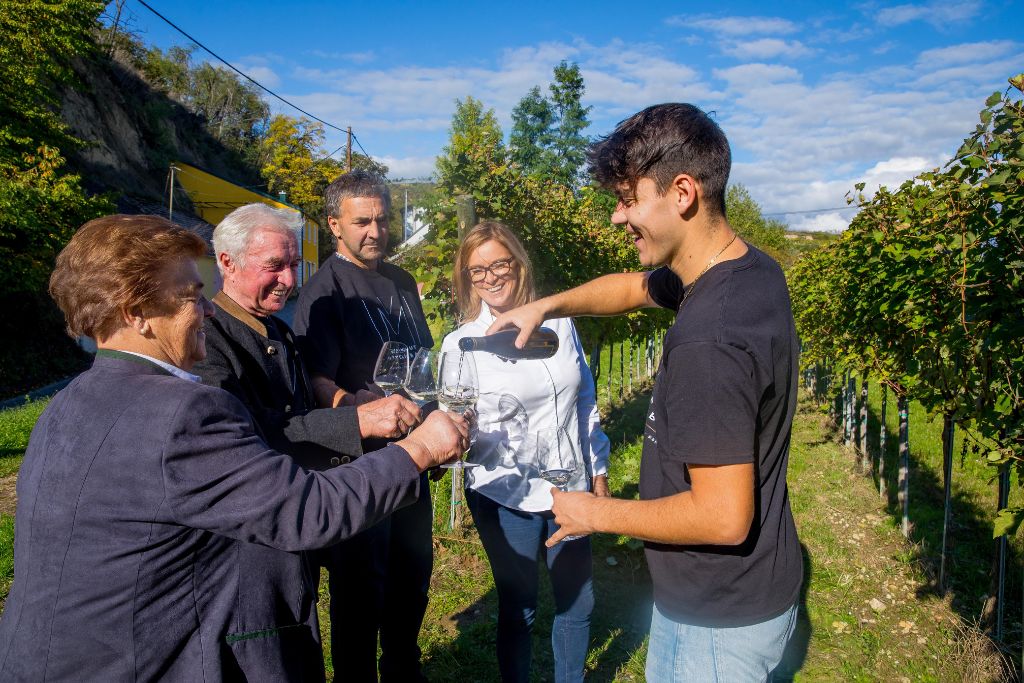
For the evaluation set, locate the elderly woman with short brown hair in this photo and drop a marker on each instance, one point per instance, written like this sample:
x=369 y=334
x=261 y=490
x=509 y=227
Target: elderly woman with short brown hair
x=142 y=488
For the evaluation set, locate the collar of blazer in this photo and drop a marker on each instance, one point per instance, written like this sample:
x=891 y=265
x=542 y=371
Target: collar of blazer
x=237 y=312
x=134 y=358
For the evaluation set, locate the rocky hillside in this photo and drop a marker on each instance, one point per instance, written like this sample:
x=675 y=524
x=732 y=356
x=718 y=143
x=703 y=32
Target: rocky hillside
x=134 y=132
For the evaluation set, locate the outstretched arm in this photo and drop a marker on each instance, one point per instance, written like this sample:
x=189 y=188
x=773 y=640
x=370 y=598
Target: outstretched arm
x=607 y=295
x=718 y=510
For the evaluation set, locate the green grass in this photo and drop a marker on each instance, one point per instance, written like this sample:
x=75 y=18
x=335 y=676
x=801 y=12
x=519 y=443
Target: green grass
x=15 y=427
x=6 y=555
x=853 y=553
x=970 y=574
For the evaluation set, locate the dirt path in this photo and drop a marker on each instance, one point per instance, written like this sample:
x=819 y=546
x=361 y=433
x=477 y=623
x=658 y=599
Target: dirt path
x=8 y=497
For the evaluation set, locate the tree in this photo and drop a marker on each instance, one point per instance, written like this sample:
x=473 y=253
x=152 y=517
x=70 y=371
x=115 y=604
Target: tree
x=533 y=122
x=234 y=110
x=40 y=39
x=547 y=134
x=475 y=144
x=745 y=217
x=41 y=205
x=569 y=144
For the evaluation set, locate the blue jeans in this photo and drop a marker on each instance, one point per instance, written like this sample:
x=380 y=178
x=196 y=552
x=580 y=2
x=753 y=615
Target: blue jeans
x=514 y=542
x=680 y=652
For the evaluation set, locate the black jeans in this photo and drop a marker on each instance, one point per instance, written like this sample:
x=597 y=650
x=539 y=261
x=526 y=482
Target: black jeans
x=378 y=582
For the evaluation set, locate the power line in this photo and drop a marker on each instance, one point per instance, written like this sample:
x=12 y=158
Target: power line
x=227 y=64
x=360 y=145
x=834 y=208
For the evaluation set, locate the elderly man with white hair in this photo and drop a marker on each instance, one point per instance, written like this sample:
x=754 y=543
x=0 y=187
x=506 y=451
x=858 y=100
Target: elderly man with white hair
x=251 y=353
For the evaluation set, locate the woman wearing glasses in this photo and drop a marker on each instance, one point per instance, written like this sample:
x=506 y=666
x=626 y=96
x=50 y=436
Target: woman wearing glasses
x=509 y=501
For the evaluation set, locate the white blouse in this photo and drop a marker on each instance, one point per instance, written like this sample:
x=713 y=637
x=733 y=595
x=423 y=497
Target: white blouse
x=522 y=397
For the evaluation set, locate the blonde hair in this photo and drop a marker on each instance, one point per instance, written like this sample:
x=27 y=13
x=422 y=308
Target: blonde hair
x=466 y=298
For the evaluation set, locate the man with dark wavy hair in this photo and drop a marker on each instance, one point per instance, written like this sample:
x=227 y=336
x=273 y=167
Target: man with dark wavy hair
x=714 y=509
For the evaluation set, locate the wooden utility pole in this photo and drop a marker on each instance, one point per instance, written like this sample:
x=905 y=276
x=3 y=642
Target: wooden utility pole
x=465 y=212
x=170 y=195
x=348 y=153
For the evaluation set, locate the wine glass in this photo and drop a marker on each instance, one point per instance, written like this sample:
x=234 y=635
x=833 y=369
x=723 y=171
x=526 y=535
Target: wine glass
x=457 y=388
x=420 y=385
x=557 y=460
x=392 y=368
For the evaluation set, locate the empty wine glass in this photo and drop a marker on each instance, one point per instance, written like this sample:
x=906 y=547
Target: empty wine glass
x=420 y=384
x=392 y=368
x=457 y=388
x=557 y=460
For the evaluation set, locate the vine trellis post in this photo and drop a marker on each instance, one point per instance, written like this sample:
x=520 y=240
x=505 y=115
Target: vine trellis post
x=882 y=489
x=864 y=454
x=903 y=409
x=1004 y=499
x=948 y=429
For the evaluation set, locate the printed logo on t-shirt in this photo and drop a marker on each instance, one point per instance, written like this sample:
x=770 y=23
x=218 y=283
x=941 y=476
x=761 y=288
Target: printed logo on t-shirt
x=388 y=326
x=650 y=433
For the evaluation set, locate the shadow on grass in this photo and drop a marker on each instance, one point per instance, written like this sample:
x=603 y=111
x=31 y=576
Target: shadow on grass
x=971 y=551
x=622 y=595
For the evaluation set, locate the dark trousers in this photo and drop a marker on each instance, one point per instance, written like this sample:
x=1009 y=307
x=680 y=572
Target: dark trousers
x=378 y=582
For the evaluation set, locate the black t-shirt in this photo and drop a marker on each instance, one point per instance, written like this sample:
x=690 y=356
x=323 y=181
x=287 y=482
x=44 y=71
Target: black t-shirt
x=345 y=314
x=725 y=394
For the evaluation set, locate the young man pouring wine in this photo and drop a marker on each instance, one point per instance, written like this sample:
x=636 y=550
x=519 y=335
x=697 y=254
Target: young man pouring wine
x=714 y=511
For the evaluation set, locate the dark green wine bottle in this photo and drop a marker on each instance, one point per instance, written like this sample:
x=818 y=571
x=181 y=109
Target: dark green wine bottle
x=543 y=343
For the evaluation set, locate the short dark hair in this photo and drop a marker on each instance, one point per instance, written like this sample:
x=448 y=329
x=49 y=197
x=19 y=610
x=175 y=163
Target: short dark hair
x=358 y=183
x=115 y=264
x=659 y=143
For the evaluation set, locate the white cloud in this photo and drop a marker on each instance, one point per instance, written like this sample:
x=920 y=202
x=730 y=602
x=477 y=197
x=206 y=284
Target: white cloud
x=966 y=53
x=767 y=48
x=736 y=26
x=746 y=75
x=820 y=222
x=408 y=167
x=801 y=137
x=353 y=57
x=938 y=14
x=261 y=74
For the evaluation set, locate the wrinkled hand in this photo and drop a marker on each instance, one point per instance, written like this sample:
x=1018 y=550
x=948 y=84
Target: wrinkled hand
x=387 y=418
x=527 y=318
x=571 y=513
x=599 y=486
x=442 y=438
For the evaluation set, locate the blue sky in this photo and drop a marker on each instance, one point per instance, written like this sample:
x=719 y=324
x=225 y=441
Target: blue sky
x=814 y=97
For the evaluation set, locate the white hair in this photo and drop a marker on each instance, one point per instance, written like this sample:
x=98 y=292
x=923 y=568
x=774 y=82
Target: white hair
x=233 y=234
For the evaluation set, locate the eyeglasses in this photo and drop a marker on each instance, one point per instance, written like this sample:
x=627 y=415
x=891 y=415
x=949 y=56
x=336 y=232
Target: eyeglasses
x=497 y=269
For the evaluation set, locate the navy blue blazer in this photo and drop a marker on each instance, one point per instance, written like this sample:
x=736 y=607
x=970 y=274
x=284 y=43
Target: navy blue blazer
x=138 y=494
